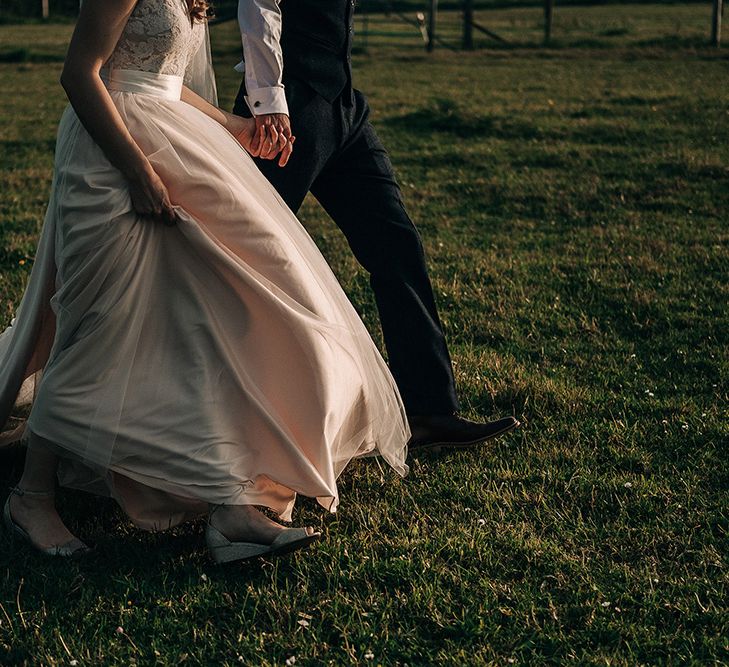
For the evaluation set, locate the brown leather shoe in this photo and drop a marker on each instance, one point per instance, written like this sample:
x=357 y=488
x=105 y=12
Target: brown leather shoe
x=436 y=431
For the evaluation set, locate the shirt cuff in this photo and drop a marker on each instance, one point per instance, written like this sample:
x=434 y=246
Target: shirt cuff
x=267 y=100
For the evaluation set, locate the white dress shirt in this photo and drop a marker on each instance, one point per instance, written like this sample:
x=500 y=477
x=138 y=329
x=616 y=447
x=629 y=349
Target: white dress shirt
x=260 y=29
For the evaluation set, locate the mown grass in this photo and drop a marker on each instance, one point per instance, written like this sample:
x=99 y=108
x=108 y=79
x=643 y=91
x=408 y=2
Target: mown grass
x=573 y=206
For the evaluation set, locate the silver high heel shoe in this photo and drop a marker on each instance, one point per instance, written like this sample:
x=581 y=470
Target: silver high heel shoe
x=224 y=551
x=74 y=547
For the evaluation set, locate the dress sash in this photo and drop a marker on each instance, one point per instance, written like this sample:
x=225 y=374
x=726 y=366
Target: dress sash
x=166 y=86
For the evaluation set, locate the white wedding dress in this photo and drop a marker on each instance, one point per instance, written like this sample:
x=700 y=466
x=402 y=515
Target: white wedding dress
x=215 y=361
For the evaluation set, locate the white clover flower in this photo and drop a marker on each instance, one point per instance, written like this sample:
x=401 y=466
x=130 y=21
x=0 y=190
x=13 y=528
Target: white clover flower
x=369 y=655
x=628 y=485
x=481 y=522
x=291 y=660
x=73 y=662
x=203 y=577
x=605 y=604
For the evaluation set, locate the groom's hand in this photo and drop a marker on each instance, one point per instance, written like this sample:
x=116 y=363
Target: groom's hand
x=278 y=137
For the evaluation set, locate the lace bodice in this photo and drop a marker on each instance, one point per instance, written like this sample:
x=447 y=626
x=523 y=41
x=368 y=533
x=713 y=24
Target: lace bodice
x=158 y=37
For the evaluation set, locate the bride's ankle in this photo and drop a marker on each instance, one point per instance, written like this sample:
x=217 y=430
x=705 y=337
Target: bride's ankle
x=247 y=522
x=226 y=515
x=37 y=516
x=25 y=505
x=22 y=496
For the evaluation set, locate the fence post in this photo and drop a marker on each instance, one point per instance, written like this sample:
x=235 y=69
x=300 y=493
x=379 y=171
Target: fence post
x=431 y=25
x=548 y=16
x=467 y=25
x=716 y=23
x=44 y=9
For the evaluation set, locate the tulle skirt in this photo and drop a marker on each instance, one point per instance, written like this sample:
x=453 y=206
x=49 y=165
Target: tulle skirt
x=214 y=361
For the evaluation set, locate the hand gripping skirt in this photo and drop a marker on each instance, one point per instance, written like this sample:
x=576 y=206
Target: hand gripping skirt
x=214 y=361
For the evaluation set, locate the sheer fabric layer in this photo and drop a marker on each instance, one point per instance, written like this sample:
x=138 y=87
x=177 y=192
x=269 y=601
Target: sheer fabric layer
x=215 y=361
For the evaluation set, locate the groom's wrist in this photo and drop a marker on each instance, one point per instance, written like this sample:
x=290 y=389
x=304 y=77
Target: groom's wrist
x=264 y=101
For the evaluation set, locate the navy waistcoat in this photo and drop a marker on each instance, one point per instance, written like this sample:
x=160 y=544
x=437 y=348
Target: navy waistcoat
x=316 y=40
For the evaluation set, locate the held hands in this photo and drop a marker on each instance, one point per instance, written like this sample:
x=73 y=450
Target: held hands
x=265 y=136
x=277 y=127
x=150 y=197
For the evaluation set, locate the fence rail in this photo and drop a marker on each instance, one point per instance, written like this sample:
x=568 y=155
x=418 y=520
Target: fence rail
x=455 y=24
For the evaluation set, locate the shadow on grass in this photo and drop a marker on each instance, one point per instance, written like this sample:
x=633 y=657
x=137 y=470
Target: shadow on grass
x=639 y=100
x=128 y=563
x=124 y=559
x=614 y=32
x=13 y=154
x=675 y=42
x=445 y=117
x=24 y=55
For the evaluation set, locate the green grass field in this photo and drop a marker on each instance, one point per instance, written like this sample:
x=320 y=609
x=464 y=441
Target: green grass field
x=573 y=203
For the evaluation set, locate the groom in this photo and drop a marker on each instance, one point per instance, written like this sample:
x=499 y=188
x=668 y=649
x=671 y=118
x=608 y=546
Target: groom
x=298 y=81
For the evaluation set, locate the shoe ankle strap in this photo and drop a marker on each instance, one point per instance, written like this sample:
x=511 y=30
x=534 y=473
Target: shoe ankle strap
x=19 y=491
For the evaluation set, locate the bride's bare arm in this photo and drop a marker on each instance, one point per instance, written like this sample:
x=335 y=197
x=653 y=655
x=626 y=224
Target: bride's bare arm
x=99 y=26
x=254 y=139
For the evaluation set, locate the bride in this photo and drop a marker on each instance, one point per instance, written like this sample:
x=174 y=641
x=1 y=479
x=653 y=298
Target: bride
x=187 y=348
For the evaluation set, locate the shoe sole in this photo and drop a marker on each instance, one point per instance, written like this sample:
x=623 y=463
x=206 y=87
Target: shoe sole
x=223 y=555
x=437 y=446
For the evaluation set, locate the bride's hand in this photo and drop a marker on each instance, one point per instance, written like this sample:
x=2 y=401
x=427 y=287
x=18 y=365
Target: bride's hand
x=260 y=140
x=150 y=197
x=246 y=134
